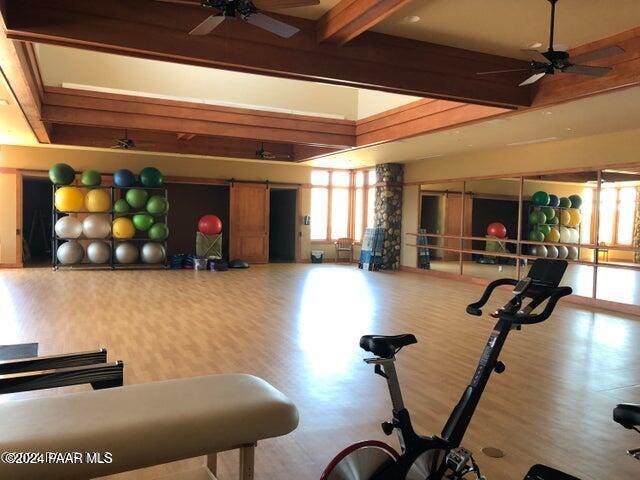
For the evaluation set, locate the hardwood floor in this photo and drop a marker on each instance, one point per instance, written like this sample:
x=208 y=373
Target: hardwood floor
x=298 y=326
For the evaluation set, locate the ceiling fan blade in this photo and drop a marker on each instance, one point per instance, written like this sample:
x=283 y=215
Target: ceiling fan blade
x=598 y=54
x=276 y=4
x=208 y=26
x=272 y=25
x=532 y=79
x=537 y=53
x=504 y=71
x=587 y=70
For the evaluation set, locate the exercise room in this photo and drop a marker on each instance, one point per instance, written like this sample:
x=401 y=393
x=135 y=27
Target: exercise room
x=319 y=240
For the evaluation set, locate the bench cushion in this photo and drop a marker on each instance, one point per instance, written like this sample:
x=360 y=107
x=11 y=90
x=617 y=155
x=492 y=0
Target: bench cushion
x=143 y=425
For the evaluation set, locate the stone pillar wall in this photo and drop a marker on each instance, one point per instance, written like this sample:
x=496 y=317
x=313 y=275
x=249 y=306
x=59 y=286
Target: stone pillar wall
x=388 y=211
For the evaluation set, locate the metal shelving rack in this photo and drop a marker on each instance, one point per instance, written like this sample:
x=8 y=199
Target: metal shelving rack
x=113 y=242
x=537 y=208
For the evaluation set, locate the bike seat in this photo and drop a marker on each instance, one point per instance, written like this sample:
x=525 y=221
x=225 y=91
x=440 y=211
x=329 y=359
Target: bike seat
x=627 y=415
x=386 y=346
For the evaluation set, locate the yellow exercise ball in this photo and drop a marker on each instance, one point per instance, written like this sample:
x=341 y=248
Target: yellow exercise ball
x=576 y=218
x=69 y=199
x=98 y=200
x=565 y=217
x=553 y=236
x=123 y=228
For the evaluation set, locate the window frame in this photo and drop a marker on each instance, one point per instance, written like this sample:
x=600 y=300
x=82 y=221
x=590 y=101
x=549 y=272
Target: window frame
x=616 y=219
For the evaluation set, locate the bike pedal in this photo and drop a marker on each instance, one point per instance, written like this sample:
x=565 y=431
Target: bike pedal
x=458 y=459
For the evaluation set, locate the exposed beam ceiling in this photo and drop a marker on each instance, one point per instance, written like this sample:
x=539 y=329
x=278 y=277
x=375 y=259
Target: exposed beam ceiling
x=350 y=18
x=158 y=30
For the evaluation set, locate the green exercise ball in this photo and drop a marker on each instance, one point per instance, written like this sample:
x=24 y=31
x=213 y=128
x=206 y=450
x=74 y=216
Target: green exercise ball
x=536 y=236
x=90 y=178
x=150 y=177
x=544 y=229
x=158 y=232
x=576 y=201
x=554 y=201
x=142 y=221
x=533 y=217
x=136 y=197
x=553 y=220
x=62 y=174
x=540 y=198
x=565 y=202
x=121 y=206
x=542 y=218
x=157 y=204
x=549 y=212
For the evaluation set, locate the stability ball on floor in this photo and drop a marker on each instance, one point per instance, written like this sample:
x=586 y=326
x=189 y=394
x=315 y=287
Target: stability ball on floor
x=62 y=174
x=70 y=252
x=495 y=229
x=152 y=252
x=96 y=226
x=98 y=252
x=97 y=200
x=126 y=253
x=68 y=227
x=69 y=199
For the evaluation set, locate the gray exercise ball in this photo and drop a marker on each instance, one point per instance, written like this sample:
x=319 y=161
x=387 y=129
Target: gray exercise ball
x=552 y=251
x=539 y=251
x=126 y=252
x=98 y=252
x=97 y=226
x=562 y=252
x=68 y=227
x=69 y=253
x=572 y=253
x=152 y=252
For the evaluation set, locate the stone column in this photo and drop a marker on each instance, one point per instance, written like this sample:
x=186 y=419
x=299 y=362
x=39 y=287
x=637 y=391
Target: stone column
x=389 y=211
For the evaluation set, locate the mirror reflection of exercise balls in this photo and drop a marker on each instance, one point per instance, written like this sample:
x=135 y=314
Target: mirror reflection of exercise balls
x=98 y=252
x=157 y=204
x=574 y=235
x=575 y=217
x=553 y=236
x=70 y=252
x=61 y=174
x=96 y=225
x=565 y=217
x=124 y=178
x=552 y=251
x=69 y=199
x=90 y=178
x=538 y=250
x=572 y=253
x=121 y=206
x=158 y=232
x=126 y=253
x=123 y=228
x=565 y=235
x=152 y=252
x=562 y=252
x=142 y=221
x=137 y=197
x=150 y=177
x=97 y=200
x=68 y=227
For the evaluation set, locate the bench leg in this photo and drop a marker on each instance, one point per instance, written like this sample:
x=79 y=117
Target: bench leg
x=247 y=456
x=212 y=463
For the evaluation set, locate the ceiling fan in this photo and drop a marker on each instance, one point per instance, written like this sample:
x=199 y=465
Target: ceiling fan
x=553 y=61
x=263 y=154
x=249 y=11
x=124 y=143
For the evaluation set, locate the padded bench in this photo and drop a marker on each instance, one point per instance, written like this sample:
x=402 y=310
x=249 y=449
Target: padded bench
x=145 y=425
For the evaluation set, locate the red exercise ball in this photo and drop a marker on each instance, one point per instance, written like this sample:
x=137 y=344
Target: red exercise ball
x=497 y=230
x=210 y=225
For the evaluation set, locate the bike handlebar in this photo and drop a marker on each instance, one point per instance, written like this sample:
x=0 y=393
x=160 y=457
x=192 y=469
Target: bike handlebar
x=526 y=319
x=474 y=308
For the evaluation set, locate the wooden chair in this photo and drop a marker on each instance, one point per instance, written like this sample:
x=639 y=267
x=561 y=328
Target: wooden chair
x=344 y=245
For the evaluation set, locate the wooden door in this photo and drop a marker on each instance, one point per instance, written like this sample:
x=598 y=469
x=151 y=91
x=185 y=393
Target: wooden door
x=453 y=214
x=249 y=219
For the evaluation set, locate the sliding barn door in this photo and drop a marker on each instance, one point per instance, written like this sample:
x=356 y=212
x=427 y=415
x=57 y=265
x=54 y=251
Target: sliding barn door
x=249 y=219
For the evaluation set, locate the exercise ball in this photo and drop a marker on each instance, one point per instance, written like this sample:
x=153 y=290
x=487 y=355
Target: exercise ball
x=554 y=201
x=90 y=178
x=576 y=201
x=124 y=178
x=123 y=228
x=62 y=174
x=538 y=250
x=576 y=218
x=572 y=253
x=565 y=235
x=121 y=206
x=565 y=202
x=574 y=235
x=136 y=197
x=553 y=220
x=97 y=200
x=96 y=226
x=549 y=212
x=152 y=252
x=533 y=217
x=562 y=252
x=565 y=217
x=142 y=221
x=544 y=229
x=151 y=177
x=69 y=199
x=553 y=236
x=158 y=232
x=70 y=252
x=212 y=225
x=157 y=205
x=126 y=253
x=540 y=198
x=552 y=251
x=68 y=227
x=542 y=218
x=536 y=236
x=98 y=252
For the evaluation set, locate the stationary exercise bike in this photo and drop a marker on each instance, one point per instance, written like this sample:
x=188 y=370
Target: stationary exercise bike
x=441 y=457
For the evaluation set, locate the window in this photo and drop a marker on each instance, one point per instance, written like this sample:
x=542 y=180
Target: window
x=358 y=209
x=617 y=213
x=587 y=212
x=371 y=198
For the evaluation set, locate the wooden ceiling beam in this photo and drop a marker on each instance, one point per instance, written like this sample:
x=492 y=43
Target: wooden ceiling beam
x=350 y=18
x=159 y=30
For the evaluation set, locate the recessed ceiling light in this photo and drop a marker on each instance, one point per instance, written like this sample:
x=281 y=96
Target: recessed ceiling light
x=412 y=19
x=535 y=45
x=470 y=145
x=569 y=129
x=4 y=102
x=547 y=112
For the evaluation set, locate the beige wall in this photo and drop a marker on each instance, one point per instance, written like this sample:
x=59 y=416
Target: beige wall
x=8 y=219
